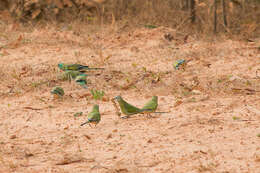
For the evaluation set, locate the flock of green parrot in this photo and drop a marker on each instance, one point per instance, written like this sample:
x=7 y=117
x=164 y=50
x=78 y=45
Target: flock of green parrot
x=76 y=72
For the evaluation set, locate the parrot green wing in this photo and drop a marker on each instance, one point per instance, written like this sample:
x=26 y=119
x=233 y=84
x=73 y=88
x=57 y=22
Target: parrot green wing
x=58 y=91
x=70 y=74
x=94 y=116
x=127 y=108
x=82 y=80
x=76 y=67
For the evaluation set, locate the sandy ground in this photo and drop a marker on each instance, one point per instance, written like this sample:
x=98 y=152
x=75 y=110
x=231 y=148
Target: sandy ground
x=213 y=124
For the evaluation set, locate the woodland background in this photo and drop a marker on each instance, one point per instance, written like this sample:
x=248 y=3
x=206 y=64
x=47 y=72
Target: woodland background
x=239 y=17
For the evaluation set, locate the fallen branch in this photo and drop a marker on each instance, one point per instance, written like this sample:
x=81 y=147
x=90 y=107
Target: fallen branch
x=36 y=109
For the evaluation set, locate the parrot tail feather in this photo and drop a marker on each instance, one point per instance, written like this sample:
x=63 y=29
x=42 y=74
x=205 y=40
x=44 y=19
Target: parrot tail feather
x=96 y=68
x=161 y=112
x=84 y=123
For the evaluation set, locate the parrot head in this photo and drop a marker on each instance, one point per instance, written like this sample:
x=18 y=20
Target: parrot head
x=61 y=66
x=95 y=108
x=58 y=91
x=178 y=63
x=118 y=98
x=155 y=98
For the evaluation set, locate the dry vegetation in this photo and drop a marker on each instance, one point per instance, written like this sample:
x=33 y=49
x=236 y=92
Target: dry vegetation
x=213 y=104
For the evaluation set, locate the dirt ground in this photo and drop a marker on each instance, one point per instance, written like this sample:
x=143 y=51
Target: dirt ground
x=213 y=124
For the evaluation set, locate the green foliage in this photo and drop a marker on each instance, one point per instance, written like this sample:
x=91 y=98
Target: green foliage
x=97 y=95
x=78 y=114
x=235 y=118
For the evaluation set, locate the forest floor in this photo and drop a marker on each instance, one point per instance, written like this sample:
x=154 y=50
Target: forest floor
x=213 y=124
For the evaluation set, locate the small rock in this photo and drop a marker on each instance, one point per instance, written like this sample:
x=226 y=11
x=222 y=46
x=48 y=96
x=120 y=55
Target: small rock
x=88 y=137
x=109 y=136
x=150 y=141
x=12 y=136
x=177 y=103
x=196 y=92
x=28 y=154
x=67 y=127
x=105 y=99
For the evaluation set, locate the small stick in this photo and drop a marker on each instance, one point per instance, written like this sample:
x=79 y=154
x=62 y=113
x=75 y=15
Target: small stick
x=36 y=109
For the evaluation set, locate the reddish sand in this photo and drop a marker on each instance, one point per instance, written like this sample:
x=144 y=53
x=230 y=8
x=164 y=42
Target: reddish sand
x=213 y=124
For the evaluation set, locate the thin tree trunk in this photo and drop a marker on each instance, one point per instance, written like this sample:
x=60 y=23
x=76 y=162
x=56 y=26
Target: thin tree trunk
x=224 y=13
x=192 y=11
x=215 y=16
x=186 y=5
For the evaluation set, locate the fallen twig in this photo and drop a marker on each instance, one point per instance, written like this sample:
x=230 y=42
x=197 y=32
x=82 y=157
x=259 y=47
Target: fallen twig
x=36 y=109
x=256 y=73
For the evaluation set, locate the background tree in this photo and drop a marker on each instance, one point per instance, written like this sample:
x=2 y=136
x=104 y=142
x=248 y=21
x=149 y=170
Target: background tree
x=192 y=11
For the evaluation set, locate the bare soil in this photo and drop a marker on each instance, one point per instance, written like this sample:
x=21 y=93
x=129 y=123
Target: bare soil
x=213 y=124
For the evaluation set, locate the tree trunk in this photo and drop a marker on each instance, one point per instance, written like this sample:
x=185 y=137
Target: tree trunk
x=215 y=15
x=192 y=11
x=224 y=13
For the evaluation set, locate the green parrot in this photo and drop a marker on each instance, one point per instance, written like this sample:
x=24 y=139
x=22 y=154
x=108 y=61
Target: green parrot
x=151 y=106
x=178 y=63
x=127 y=108
x=93 y=117
x=82 y=80
x=57 y=91
x=69 y=75
x=76 y=67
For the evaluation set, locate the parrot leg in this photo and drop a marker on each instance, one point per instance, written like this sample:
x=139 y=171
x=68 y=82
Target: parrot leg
x=149 y=115
x=125 y=117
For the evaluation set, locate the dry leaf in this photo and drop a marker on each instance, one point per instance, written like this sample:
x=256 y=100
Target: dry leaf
x=36 y=13
x=58 y=3
x=177 y=103
x=68 y=3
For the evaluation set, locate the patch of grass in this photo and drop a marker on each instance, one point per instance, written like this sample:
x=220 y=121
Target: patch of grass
x=15 y=75
x=134 y=65
x=186 y=93
x=77 y=53
x=193 y=99
x=97 y=95
x=220 y=80
x=248 y=83
x=207 y=168
x=78 y=114
x=35 y=84
x=235 y=118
